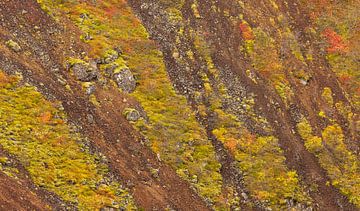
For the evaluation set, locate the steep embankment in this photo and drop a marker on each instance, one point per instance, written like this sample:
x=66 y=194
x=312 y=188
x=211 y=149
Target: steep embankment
x=194 y=105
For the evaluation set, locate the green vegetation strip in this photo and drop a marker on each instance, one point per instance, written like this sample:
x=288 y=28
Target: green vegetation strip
x=341 y=165
x=33 y=130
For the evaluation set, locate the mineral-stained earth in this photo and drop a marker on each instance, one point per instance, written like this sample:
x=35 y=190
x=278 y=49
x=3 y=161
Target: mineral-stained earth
x=180 y=105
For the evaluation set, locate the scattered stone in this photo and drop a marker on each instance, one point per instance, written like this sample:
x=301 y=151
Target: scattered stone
x=194 y=179
x=13 y=45
x=118 y=50
x=154 y=172
x=90 y=119
x=176 y=55
x=158 y=157
x=84 y=72
x=245 y=196
x=132 y=114
x=108 y=209
x=87 y=37
x=303 y=82
x=90 y=90
x=125 y=80
x=84 y=16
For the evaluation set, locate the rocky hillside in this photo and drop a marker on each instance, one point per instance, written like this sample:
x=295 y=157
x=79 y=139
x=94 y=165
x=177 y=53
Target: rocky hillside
x=179 y=105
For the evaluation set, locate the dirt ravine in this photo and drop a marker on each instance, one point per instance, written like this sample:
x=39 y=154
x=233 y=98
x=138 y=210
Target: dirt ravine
x=110 y=133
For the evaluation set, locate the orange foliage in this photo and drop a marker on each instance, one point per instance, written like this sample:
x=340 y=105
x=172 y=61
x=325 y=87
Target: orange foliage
x=335 y=41
x=318 y=7
x=231 y=145
x=345 y=79
x=45 y=117
x=4 y=79
x=246 y=31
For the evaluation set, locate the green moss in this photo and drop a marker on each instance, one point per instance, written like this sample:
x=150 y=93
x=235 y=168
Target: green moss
x=3 y=160
x=94 y=101
x=195 y=10
x=284 y=91
x=327 y=96
x=13 y=45
x=6 y=169
x=263 y=164
x=72 y=61
x=31 y=129
x=341 y=165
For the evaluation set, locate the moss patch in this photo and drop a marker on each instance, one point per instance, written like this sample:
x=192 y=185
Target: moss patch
x=341 y=165
x=33 y=130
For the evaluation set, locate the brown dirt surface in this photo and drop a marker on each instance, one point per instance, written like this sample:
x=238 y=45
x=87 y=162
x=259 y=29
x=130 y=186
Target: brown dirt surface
x=14 y=195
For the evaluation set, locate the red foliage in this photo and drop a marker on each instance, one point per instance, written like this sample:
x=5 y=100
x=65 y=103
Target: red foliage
x=110 y=11
x=335 y=41
x=345 y=79
x=246 y=31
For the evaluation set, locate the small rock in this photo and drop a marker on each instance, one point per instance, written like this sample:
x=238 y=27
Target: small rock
x=158 y=157
x=87 y=37
x=154 y=172
x=84 y=72
x=108 y=209
x=90 y=90
x=125 y=80
x=290 y=203
x=84 y=16
x=13 y=45
x=176 y=55
x=132 y=114
x=304 y=82
x=245 y=196
x=90 y=119
x=118 y=50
